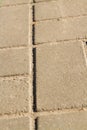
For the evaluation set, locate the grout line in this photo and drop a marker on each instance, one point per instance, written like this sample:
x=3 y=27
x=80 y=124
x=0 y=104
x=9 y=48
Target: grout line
x=35 y=115
x=30 y=59
x=36 y=124
x=34 y=68
x=13 y=47
x=57 y=42
x=11 y=5
x=40 y=44
x=58 y=19
x=57 y=112
x=33 y=13
x=34 y=80
x=44 y=1
x=34 y=62
x=14 y=75
x=30 y=67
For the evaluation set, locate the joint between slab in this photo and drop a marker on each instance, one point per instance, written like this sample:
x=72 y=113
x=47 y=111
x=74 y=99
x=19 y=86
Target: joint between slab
x=18 y=4
x=57 y=42
x=58 y=19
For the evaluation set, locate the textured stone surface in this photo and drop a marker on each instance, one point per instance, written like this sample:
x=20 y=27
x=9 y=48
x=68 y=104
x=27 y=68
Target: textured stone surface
x=15 y=65
x=66 y=121
x=14 y=124
x=14 y=95
x=61 y=76
x=14 y=26
x=65 y=29
x=56 y=77
x=60 y=8
x=14 y=61
x=11 y=2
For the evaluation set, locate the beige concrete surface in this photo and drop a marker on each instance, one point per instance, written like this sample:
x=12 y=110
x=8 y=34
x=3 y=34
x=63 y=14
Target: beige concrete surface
x=14 y=32
x=60 y=8
x=11 y=2
x=14 y=124
x=65 y=121
x=14 y=95
x=61 y=76
x=57 y=30
x=14 y=61
x=43 y=64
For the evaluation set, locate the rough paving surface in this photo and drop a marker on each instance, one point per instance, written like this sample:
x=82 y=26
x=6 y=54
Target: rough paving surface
x=59 y=30
x=14 y=32
x=14 y=61
x=60 y=9
x=61 y=76
x=14 y=124
x=68 y=121
x=15 y=65
x=11 y=2
x=15 y=94
x=43 y=64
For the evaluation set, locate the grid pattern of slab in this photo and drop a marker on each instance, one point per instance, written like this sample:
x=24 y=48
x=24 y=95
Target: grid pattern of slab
x=43 y=64
x=61 y=64
x=15 y=65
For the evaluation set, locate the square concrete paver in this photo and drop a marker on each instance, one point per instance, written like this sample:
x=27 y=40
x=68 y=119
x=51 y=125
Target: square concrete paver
x=14 y=22
x=14 y=61
x=14 y=95
x=61 y=76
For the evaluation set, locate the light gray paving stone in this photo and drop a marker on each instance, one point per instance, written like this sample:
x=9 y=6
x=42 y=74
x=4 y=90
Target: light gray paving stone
x=60 y=8
x=11 y=2
x=14 y=24
x=64 y=29
x=14 y=61
x=15 y=124
x=65 y=121
x=61 y=76
x=14 y=96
